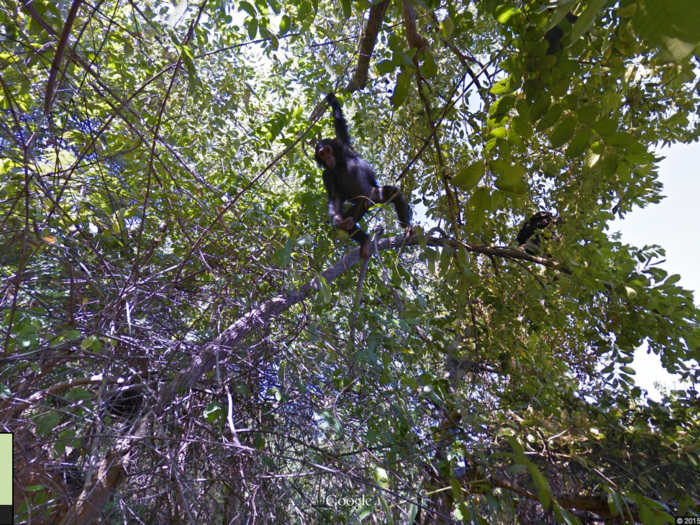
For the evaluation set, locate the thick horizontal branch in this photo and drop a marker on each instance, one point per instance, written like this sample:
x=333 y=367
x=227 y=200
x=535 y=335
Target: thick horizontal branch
x=259 y=316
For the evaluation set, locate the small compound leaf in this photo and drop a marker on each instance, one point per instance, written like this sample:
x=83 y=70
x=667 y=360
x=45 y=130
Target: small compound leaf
x=285 y=24
x=480 y=201
x=188 y=60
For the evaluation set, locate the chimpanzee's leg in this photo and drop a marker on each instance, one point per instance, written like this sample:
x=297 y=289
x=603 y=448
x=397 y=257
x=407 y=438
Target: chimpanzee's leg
x=365 y=241
x=393 y=194
x=352 y=216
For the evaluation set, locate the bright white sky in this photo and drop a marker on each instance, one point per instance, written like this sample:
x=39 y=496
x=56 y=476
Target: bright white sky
x=672 y=224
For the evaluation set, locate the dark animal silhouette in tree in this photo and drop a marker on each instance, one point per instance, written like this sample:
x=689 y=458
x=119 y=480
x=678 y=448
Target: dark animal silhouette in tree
x=348 y=177
x=529 y=232
x=555 y=35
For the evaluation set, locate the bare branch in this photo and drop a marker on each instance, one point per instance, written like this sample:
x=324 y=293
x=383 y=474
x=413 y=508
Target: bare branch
x=369 y=38
x=409 y=21
x=60 y=49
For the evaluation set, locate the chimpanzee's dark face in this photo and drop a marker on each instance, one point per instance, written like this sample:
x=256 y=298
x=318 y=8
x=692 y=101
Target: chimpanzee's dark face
x=326 y=154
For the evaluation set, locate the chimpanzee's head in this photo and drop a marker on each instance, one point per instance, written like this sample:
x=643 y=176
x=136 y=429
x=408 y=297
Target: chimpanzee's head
x=329 y=153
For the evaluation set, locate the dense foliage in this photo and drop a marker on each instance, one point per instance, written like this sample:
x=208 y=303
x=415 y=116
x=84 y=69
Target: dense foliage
x=184 y=338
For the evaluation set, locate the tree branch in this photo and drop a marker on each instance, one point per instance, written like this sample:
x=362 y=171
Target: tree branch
x=112 y=468
x=60 y=48
x=414 y=38
x=369 y=39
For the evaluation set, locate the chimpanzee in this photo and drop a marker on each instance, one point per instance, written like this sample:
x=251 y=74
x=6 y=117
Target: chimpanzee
x=348 y=177
x=555 y=35
x=538 y=222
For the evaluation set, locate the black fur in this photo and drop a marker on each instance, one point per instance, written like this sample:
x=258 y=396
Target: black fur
x=538 y=222
x=348 y=177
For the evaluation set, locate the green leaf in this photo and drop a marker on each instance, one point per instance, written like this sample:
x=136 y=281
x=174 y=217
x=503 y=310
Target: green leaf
x=303 y=12
x=470 y=176
x=541 y=484
x=673 y=26
x=585 y=20
x=385 y=67
x=523 y=110
x=447 y=27
x=591 y=159
x=504 y=13
x=499 y=133
x=515 y=140
x=252 y=28
x=347 y=8
x=626 y=12
x=551 y=118
x=403 y=83
x=429 y=68
x=510 y=173
x=480 y=201
x=188 y=60
x=407 y=63
x=517 y=448
x=328 y=417
x=213 y=412
x=505 y=86
x=502 y=106
x=606 y=126
x=563 y=132
x=248 y=8
x=283 y=256
x=619 y=139
x=381 y=477
x=647 y=516
x=509 y=176
x=587 y=115
x=540 y=106
x=522 y=127
x=630 y=292
x=285 y=24
x=579 y=144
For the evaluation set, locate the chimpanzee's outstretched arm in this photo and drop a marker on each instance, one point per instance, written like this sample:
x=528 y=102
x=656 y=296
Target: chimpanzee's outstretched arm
x=341 y=125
